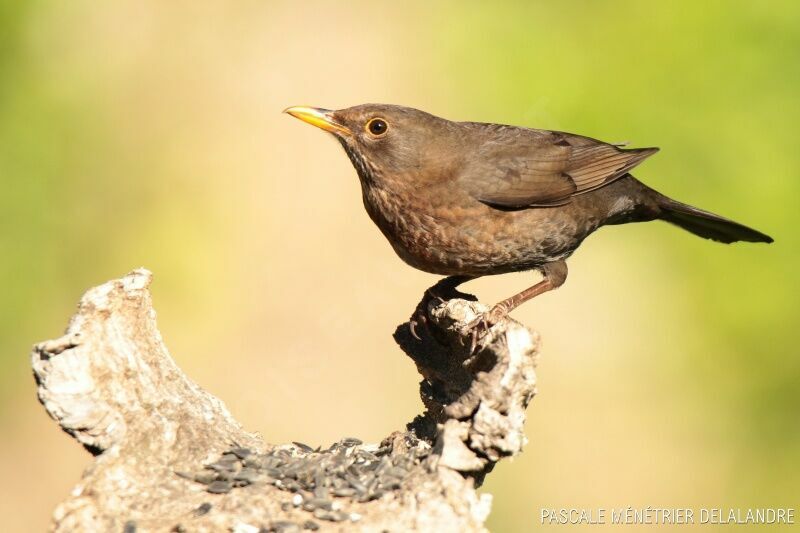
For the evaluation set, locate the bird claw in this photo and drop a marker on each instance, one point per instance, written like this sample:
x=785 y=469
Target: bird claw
x=478 y=329
x=481 y=326
x=420 y=315
x=412 y=327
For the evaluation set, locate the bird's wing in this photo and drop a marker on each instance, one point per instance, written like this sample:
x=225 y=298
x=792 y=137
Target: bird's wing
x=537 y=168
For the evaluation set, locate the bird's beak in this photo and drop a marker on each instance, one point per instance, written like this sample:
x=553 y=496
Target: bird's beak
x=321 y=118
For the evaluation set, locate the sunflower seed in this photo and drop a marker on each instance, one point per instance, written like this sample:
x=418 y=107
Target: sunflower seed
x=219 y=487
x=241 y=453
x=205 y=478
x=304 y=447
x=204 y=508
x=321 y=492
x=247 y=474
x=284 y=526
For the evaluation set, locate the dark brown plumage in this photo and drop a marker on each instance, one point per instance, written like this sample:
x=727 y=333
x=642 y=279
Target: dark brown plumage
x=468 y=199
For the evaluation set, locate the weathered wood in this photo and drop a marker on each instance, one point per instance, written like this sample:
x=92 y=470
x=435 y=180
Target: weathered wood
x=111 y=384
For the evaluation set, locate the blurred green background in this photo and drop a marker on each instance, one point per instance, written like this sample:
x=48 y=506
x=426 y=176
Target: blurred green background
x=145 y=133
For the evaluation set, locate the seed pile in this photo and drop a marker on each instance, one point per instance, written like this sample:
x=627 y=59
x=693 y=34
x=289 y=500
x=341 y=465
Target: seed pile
x=320 y=480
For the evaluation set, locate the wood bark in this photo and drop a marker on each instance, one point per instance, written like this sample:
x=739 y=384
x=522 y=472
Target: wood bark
x=170 y=457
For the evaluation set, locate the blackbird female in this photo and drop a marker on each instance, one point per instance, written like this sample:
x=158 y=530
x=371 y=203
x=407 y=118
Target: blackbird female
x=469 y=199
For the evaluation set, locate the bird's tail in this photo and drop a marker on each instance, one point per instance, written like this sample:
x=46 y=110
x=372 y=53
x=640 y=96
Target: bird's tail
x=705 y=224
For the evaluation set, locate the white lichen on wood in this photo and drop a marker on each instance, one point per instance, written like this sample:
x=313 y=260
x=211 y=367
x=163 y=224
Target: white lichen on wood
x=111 y=384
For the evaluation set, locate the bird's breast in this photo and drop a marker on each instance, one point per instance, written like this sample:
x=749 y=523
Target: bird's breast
x=446 y=232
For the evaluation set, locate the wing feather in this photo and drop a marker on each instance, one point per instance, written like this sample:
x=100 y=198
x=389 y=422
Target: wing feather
x=522 y=168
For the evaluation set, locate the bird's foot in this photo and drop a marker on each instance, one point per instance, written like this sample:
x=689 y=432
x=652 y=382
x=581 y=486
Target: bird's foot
x=447 y=289
x=420 y=316
x=413 y=323
x=431 y=293
x=443 y=291
x=481 y=326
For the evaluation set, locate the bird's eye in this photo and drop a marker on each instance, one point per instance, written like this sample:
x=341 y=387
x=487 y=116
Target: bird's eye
x=377 y=126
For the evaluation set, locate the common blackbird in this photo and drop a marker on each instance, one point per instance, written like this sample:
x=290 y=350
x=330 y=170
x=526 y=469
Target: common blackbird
x=469 y=199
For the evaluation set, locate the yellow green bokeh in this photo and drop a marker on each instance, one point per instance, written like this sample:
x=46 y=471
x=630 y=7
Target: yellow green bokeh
x=149 y=134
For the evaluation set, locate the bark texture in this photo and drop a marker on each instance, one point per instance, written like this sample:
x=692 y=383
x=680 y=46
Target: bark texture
x=170 y=457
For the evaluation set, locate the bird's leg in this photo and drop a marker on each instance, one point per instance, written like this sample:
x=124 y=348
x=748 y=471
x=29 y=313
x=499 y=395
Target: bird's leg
x=555 y=274
x=444 y=289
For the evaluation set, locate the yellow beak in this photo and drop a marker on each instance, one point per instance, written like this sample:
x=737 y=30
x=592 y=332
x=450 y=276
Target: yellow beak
x=321 y=118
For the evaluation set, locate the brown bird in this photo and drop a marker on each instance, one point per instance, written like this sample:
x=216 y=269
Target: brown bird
x=469 y=199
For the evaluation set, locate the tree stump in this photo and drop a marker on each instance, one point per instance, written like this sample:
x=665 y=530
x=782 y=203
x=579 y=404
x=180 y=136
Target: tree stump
x=170 y=457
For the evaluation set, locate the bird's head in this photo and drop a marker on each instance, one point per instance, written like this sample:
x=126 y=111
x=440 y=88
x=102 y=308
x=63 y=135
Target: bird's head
x=388 y=142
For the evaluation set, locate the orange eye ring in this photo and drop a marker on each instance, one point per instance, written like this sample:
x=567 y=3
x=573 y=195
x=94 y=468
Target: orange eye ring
x=377 y=127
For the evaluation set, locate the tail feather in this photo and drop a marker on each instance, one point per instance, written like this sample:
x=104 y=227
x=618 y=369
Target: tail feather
x=708 y=225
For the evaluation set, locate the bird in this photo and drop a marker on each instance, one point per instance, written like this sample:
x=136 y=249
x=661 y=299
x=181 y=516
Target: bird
x=471 y=199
